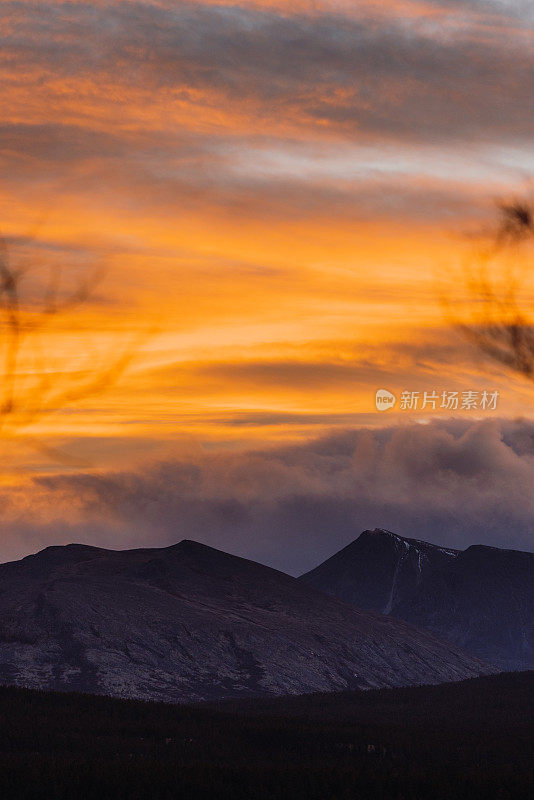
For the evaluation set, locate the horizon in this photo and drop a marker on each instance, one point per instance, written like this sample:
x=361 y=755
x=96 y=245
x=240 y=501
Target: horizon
x=260 y=563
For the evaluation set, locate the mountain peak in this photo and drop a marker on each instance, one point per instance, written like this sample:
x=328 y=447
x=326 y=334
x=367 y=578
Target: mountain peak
x=387 y=535
x=378 y=570
x=192 y=546
x=486 y=548
x=380 y=532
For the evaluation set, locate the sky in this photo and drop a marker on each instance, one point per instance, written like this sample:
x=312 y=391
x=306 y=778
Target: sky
x=253 y=216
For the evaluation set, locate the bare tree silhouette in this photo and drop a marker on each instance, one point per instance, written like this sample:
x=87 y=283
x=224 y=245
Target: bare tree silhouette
x=31 y=383
x=500 y=319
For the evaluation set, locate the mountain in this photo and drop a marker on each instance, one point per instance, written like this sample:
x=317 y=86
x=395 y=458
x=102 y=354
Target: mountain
x=481 y=599
x=379 y=570
x=189 y=622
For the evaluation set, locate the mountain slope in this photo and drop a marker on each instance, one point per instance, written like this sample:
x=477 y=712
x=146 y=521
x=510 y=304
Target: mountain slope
x=189 y=622
x=378 y=570
x=482 y=601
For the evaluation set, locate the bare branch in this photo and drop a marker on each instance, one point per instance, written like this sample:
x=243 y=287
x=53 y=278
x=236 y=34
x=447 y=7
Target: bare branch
x=499 y=320
x=31 y=385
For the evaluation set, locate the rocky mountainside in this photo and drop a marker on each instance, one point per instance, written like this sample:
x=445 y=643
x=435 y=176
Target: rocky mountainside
x=189 y=622
x=481 y=599
x=484 y=602
x=379 y=570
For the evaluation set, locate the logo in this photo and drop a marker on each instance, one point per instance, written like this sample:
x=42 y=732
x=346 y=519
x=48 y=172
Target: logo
x=384 y=400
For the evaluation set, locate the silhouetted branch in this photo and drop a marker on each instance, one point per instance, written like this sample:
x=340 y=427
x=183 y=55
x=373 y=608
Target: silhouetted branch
x=31 y=386
x=499 y=321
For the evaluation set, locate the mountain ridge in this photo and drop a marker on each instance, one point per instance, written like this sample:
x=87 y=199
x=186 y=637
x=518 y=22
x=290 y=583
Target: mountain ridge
x=190 y=622
x=480 y=598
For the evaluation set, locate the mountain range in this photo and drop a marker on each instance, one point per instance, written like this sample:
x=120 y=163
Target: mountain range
x=481 y=598
x=189 y=622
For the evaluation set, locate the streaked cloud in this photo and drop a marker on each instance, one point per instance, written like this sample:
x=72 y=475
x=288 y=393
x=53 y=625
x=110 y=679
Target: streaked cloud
x=273 y=187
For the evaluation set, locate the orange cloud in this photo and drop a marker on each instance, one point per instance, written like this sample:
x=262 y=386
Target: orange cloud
x=269 y=189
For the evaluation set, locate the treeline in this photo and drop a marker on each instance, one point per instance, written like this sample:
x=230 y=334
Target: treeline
x=468 y=740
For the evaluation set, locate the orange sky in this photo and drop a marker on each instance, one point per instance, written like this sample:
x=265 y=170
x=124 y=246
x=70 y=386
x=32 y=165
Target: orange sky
x=276 y=194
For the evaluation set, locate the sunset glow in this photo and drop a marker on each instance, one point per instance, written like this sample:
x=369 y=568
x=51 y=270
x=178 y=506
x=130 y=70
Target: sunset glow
x=272 y=204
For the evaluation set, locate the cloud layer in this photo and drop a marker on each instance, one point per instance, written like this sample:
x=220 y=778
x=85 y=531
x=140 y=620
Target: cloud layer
x=454 y=483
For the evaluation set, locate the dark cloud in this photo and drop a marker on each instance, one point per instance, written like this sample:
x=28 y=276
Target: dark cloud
x=394 y=80
x=56 y=143
x=200 y=174
x=433 y=357
x=518 y=9
x=162 y=170
x=453 y=482
x=314 y=375
x=359 y=79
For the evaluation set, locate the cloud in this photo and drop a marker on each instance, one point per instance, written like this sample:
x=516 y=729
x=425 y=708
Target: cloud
x=395 y=81
x=264 y=114
x=452 y=482
x=182 y=145
x=212 y=174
